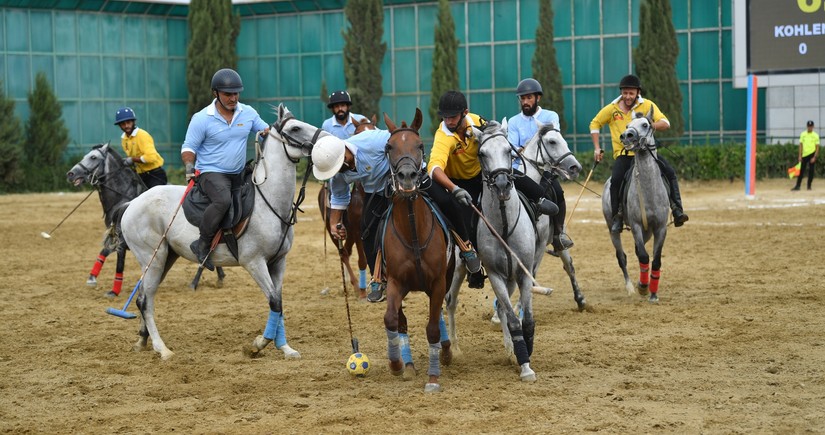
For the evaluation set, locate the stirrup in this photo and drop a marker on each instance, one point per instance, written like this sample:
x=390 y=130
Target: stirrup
x=618 y=223
x=377 y=292
x=471 y=261
x=203 y=257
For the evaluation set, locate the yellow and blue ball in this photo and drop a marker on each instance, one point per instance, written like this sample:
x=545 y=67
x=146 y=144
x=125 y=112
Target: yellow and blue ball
x=358 y=365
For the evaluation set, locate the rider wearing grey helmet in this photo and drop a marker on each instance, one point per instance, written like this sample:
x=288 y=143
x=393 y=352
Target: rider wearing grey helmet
x=215 y=146
x=617 y=115
x=520 y=129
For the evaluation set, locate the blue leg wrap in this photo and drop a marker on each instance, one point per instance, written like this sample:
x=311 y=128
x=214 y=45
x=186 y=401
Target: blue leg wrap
x=406 y=351
x=275 y=329
x=442 y=326
x=435 y=365
x=362 y=278
x=393 y=341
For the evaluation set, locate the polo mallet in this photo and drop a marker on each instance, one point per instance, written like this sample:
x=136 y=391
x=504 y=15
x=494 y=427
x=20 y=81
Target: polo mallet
x=325 y=290
x=352 y=339
x=48 y=235
x=123 y=313
x=584 y=186
x=538 y=289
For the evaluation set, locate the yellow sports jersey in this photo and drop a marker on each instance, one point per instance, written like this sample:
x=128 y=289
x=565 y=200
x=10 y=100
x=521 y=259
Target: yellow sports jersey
x=140 y=144
x=618 y=120
x=458 y=159
x=809 y=142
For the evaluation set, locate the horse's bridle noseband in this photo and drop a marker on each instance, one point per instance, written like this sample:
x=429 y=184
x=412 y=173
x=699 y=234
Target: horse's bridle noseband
x=306 y=147
x=490 y=176
x=541 y=151
x=395 y=166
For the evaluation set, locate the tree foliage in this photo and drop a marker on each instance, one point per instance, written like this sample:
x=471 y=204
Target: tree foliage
x=545 y=65
x=363 y=54
x=445 y=62
x=46 y=137
x=655 y=58
x=11 y=144
x=213 y=30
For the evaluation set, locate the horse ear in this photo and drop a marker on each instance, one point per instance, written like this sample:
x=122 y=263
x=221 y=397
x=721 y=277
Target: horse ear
x=504 y=124
x=649 y=114
x=281 y=111
x=388 y=121
x=374 y=119
x=356 y=122
x=416 y=124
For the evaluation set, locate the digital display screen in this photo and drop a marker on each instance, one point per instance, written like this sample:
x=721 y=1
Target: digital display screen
x=786 y=35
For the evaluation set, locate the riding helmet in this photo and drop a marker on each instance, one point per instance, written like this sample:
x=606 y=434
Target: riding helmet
x=227 y=80
x=339 y=97
x=630 y=81
x=124 y=114
x=528 y=86
x=451 y=104
x=327 y=157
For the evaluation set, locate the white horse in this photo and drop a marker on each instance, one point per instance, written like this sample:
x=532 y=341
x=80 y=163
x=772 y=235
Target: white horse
x=645 y=209
x=261 y=250
x=547 y=150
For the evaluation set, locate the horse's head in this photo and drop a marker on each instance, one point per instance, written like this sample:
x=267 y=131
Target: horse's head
x=495 y=155
x=92 y=166
x=365 y=124
x=297 y=136
x=405 y=153
x=638 y=135
x=557 y=153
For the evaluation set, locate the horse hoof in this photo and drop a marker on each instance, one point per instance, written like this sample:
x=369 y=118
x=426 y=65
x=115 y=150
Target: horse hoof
x=260 y=342
x=446 y=357
x=396 y=368
x=219 y=283
x=140 y=346
x=430 y=387
x=325 y=291
x=110 y=295
x=582 y=304
x=290 y=353
x=654 y=298
x=495 y=320
x=409 y=372
x=166 y=355
x=91 y=282
x=527 y=374
x=643 y=289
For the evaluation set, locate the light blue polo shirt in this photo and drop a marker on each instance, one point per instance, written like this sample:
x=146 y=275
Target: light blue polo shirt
x=372 y=167
x=521 y=128
x=332 y=126
x=220 y=146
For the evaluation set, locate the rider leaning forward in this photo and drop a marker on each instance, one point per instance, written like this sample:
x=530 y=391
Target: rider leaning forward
x=618 y=115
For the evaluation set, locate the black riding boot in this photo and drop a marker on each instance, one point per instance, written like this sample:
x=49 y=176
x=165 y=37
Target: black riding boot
x=679 y=216
x=618 y=223
x=201 y=250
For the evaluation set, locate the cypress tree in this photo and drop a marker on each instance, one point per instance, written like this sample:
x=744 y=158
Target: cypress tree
x=545 y=65
x=363 y=54
x=11 y=144
x=46 y=137
x=655 y=59
x=445 y=63
x=213 y=30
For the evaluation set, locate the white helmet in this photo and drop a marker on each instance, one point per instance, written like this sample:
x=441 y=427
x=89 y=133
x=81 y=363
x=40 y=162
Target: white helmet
x=327 y=157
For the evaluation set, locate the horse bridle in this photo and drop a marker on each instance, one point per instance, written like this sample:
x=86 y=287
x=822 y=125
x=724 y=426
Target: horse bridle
x=490 y=176
x=98 y=179
x=541 y=151
x=395 y=166
x=306 y=146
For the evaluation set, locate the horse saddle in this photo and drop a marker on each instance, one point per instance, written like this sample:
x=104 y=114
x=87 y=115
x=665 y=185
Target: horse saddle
x=235 y=221
x=626 y=182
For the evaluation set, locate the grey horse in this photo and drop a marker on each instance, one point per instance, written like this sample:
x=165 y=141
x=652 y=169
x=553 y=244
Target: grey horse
x=262 y=249
x=646 y=207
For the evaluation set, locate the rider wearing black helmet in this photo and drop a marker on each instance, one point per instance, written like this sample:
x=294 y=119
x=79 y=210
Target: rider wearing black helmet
x=340 y=123
x=215 y=145
x=617 y=115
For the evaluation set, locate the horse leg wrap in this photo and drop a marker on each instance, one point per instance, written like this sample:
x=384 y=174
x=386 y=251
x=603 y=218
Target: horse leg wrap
x=519 y=346
x=118 y=284
x=435 y=364
x=406 y=351
x=275 y=329
x=654 y=281
x=362 y=278
x=442 y=327
x=644 y=273
x=529 y=333
x=98 y=265
x=393 y=344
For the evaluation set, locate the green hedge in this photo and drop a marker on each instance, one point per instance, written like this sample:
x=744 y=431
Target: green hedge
x=715 y=162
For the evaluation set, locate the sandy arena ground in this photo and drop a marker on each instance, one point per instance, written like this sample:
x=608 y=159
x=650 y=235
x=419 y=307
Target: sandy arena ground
x=736 y=345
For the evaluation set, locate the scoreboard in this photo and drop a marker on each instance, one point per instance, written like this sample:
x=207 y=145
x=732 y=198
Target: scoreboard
x=785 y=36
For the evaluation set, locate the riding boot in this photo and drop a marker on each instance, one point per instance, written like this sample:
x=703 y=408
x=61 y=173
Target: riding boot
x=561 y=241
x=618 y=223
x=679 y=216
x=545 y=206
x=201 y=250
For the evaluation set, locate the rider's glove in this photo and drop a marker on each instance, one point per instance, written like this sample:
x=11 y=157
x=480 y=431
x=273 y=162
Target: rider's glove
x=190 y=171
x=127 y=161
x=462 y=196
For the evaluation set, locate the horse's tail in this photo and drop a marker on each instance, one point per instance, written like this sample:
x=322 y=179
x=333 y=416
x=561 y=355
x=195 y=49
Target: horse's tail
x=114 y=234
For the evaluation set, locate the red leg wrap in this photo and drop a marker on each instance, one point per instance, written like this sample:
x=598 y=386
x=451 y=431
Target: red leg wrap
x=654 y=281
x=118 y=284
x=98 y=265
x=644 y=273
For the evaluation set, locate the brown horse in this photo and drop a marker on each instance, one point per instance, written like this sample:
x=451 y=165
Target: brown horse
x=352 y=221
x=415 y=251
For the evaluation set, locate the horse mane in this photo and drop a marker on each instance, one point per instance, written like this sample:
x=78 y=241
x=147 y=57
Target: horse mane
x=546 y=128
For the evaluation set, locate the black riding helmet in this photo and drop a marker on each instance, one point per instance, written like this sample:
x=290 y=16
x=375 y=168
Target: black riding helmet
x=227 y=80
x=338 y=97
x=451 y=104
x=630 y=81
x=528 y=86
